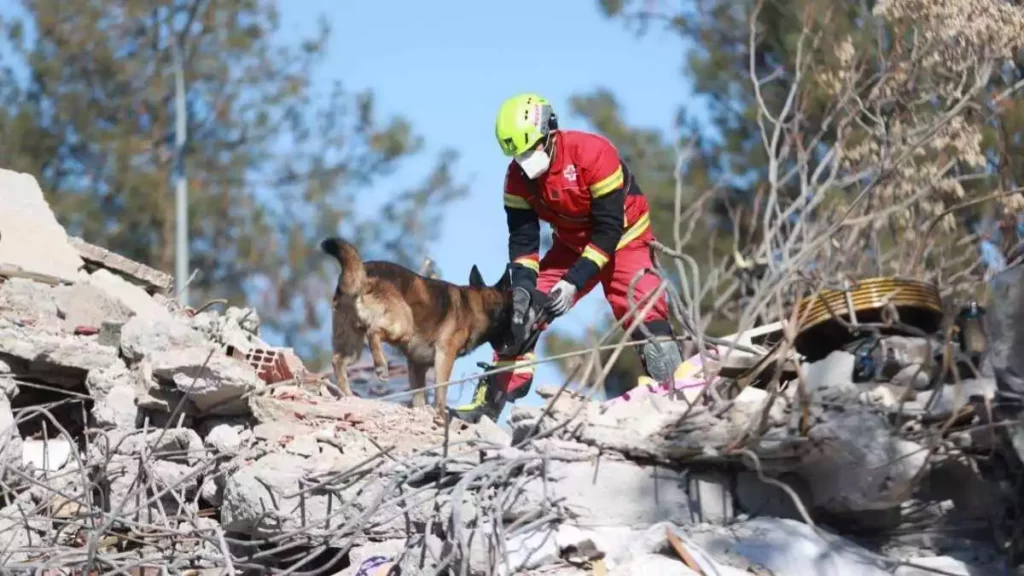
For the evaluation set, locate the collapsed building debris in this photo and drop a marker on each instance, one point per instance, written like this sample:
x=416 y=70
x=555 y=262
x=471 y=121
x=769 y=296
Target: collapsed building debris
x=141 y=437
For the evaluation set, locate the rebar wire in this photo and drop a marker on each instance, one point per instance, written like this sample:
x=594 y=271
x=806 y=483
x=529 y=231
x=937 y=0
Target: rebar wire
x=433 y=483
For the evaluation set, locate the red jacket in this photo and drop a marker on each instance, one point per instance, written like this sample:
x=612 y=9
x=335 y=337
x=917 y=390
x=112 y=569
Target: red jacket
x=586 y=186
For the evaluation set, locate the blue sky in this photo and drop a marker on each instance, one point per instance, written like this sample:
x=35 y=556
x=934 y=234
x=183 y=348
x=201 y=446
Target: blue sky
x=448 y=65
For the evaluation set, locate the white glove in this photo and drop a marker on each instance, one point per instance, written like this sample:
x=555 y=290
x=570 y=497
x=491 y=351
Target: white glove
x=562 y=297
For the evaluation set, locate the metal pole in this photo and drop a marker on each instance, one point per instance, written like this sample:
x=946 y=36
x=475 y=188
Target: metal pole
x=181 y=257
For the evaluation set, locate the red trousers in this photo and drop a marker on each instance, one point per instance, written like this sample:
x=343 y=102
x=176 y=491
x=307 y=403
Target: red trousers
x=615 y=278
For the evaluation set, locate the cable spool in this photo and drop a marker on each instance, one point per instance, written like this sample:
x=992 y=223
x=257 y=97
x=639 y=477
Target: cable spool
x=917 y=304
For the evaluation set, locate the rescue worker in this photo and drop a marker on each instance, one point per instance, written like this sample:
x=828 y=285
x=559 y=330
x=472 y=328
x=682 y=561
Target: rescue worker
x=601 y=222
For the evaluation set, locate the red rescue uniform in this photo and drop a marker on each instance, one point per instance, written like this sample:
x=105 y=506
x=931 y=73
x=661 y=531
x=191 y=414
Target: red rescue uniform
x=602 y=230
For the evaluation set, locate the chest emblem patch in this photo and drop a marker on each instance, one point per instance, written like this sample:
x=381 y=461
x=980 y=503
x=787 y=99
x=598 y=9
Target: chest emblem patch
x=570 y=173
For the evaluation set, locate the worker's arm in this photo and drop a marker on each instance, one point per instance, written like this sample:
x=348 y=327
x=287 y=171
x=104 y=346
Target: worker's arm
x=523 y=238
x=607 y=210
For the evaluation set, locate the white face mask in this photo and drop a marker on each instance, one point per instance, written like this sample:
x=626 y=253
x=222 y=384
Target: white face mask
x=534 y=163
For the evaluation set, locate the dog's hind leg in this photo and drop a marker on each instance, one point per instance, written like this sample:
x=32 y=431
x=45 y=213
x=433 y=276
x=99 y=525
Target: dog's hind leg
x=418 y=383
x=341 y=374
x=380 y=361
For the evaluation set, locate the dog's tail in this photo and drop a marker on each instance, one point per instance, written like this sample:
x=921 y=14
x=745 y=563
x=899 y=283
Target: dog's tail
x=353 y=275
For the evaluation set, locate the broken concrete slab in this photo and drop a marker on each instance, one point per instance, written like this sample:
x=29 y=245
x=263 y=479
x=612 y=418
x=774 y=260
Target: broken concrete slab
x=31 y=238
x=95 y=257
x=390 y=425
x=266 y=497
x=86 y=304
x=30 y=303
x=20 y=531
x=211 y=379
x=790 y=547
x=8 y=386
x=10 y=441
x=143 y=335
x=135 y=298
x=593 y=493
x=61 y=361
x=50 y=455
x=117 y=409
x=758 y=498
x=711 y=497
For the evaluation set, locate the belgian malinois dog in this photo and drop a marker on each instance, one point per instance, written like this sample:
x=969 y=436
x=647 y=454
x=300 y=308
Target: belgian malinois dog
x=432 y=322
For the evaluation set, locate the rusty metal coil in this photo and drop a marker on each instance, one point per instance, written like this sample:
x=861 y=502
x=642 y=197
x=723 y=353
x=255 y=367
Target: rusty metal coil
x=917 y=303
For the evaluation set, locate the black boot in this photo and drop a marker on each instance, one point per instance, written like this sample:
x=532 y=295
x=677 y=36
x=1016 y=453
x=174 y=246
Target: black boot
x=487 y=400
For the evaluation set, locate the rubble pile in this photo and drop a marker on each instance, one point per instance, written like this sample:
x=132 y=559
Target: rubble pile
x=143 y=437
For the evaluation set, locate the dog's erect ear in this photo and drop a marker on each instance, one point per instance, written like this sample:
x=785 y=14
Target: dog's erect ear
x=476 y=279
x=505 y=282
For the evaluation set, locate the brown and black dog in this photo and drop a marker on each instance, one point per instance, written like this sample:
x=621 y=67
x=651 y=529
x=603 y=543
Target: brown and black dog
x=432 y=322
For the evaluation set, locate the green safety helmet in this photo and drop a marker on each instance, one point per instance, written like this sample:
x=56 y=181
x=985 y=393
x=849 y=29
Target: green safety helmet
x=523 y=120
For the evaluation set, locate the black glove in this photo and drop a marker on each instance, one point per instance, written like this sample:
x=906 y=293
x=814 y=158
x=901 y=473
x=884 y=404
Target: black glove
x=527 y=308
x=520 y=315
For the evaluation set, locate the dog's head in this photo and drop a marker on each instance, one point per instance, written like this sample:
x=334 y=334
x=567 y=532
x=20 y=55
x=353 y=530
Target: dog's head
x=504 y=340
x=501 y=333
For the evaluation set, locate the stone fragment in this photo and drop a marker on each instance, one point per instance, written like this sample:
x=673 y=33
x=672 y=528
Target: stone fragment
x=117 y=409
x=224 y=438
x=31 y=238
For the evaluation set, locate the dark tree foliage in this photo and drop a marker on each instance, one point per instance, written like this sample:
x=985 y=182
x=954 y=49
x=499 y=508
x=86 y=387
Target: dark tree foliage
x=729 y=153
x=87 y=106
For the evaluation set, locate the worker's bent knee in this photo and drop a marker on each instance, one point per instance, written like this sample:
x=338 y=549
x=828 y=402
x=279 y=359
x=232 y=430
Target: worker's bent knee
x=626 y=311
x=655 y=327
x=516 y=375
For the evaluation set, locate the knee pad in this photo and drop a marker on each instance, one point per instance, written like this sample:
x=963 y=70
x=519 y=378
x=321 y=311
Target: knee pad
x=660 y=359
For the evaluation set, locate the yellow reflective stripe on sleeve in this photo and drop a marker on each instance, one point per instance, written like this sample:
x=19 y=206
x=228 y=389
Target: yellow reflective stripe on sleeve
x=638 y=228
x=607 y=185
x=595 y=256
x=530 y=262
x=512 y=201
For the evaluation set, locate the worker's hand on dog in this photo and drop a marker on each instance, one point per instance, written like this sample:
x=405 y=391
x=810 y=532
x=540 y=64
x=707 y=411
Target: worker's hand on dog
x=520 y=314
x=562 y=297
x=520 y=306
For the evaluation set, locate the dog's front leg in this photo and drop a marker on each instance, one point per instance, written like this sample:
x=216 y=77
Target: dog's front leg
x=380 y=362
x=418 y=383
x=444 y=362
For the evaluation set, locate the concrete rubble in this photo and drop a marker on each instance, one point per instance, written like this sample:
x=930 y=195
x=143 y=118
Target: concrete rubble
x=137 y=435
